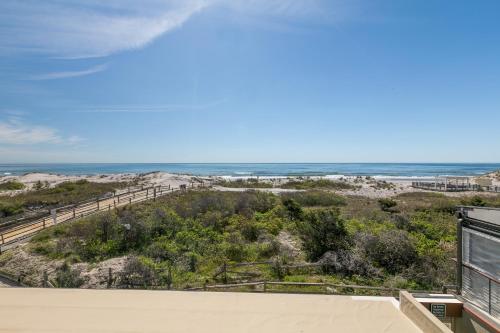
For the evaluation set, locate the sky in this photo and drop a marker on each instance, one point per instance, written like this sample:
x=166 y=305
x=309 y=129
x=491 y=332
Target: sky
x=249 y=81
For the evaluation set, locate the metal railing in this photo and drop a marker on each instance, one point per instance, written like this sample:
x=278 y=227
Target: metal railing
x=481 y=289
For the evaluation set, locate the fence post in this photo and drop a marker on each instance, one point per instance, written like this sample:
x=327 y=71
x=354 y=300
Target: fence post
x=109 y=207
x=265 y=286
x=74 y=212
x=110 y=277
x=154 y=194
x=489 y=295
x=130 y=201
x=1 y=236
x=53 y=212
x=45 y=279
x=97 y=204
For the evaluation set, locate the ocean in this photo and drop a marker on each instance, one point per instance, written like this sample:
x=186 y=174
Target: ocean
x=378 y=170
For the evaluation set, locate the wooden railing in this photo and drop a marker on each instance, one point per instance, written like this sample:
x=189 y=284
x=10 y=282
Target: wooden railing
x=298 y=287
x=22 y=230
x=443 y=187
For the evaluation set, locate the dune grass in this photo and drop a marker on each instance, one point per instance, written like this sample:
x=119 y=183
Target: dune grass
x=325 y=184
x=244 y=183
x=11 y=185
x=63 y=194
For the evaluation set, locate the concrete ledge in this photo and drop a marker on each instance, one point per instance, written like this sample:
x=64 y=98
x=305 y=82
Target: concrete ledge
x=419 y=315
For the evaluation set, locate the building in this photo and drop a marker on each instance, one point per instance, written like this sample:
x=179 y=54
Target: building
x=478 y=268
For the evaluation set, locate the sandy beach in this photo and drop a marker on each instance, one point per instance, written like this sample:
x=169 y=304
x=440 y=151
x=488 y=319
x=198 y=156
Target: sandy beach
x=372 y=187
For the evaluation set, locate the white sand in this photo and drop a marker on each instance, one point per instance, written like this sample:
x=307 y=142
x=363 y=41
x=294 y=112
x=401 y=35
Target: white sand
x=154 y=178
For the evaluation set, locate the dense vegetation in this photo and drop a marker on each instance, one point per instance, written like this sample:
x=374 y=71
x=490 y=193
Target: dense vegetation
x=63 y=194
x=11 y=185
x=296 y=184
x=325 y=184
x=245 y=183
x=183 y=239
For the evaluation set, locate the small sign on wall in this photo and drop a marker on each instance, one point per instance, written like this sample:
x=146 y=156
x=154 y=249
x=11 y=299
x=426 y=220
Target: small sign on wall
x=438 y=310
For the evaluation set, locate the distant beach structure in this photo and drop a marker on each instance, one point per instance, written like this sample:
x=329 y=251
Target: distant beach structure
x=458 y=184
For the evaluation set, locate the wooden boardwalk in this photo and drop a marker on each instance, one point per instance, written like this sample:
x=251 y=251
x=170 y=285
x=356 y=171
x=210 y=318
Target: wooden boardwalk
x=12 y=235
x=446 y=187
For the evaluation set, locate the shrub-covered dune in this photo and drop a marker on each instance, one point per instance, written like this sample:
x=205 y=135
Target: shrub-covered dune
x=184 y=239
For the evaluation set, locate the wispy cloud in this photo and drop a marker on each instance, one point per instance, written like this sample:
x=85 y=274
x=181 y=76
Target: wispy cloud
x=67 y=74
x=14 y=131
x=151 y=108
x=92 y=28
x=83 y=29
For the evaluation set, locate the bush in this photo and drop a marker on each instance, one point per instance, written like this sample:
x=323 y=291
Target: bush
x=323 y=231
x=163 y=251
x=387 y=204
x=476 y=201
x=138 y=273
x=348 y=262
x=244 y=183
x=393 y=250
x=294 y=210
x=10 y=208
x=235 y=249
x=11 y=185
x=314 y=198
x=319 y=184
x=66 y=277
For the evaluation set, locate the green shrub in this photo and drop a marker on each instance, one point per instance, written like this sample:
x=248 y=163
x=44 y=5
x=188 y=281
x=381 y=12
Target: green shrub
x=10 y=208
x=11 y=185
x=323 y=231
x=181 y=239
x=392 y=250
x=387 y=204
x=319 y=184
x=315 y=198
x=294 y=210
x=244 y=183
x=474 y=201
x=66 y=277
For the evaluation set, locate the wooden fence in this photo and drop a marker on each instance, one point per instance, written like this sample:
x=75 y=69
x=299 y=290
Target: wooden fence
x=305 y=287
x=443 y=187
x=26 y=228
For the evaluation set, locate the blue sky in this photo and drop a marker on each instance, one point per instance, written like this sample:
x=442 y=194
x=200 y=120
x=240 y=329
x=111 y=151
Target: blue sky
x=249 y=81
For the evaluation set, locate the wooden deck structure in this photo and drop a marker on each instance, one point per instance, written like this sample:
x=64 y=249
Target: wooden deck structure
x=454 y=184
